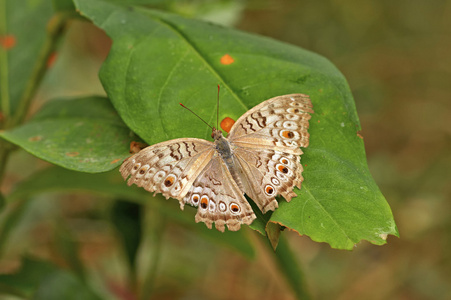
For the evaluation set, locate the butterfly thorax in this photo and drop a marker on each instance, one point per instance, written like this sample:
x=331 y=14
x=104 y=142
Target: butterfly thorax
x=222 y=145
x=225 y=151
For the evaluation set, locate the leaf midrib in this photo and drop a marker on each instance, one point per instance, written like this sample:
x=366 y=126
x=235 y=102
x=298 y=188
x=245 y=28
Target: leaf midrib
x=195 y=50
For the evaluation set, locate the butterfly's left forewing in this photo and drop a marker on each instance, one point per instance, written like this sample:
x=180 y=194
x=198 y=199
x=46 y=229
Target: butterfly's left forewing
x=170 y=167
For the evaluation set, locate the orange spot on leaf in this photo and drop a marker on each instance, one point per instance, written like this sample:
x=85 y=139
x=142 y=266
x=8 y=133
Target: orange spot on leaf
x=7 y=41
x=359 y=135
x=115 y=161
x=227 y=59
x=226 y=124
x=51 y=59
x=72 y=154
x=35 y=138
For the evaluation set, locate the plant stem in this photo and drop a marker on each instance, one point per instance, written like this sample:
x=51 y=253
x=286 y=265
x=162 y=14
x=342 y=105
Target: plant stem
x=55 y=29
x=4 y=80
x=4 y=154
x=157 y=228
x=289 y=266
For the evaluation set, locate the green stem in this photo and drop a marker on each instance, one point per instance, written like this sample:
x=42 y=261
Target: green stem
x=4 y=82
x=157 y=228
x=10 y=216
x=5 y=151
x=55 y=29
x=289 y=267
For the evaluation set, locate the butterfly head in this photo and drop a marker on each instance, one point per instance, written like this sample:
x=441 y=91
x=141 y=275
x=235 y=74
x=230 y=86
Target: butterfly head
x=216 y=134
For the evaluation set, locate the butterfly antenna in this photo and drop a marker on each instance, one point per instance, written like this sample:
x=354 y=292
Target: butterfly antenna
x=196 y=115
x=217 y=111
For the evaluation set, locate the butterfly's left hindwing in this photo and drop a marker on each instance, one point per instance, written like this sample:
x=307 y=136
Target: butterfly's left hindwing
x=219 y=198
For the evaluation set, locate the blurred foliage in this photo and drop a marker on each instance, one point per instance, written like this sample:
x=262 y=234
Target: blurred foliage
x=395 y=56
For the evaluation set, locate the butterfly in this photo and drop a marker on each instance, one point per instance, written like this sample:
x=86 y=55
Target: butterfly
x=260 y=157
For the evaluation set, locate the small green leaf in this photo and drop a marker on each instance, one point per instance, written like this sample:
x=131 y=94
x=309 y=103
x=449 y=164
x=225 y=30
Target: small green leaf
x=80 y=134
x=160 y=59
x=27 y=279
x=41 y=280
x=61 y=284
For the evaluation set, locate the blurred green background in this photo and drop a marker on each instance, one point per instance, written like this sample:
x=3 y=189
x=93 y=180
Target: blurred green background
x=396 y=57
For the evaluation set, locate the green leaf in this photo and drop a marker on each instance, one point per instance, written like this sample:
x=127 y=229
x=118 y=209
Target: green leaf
x=80 y=134
x=63 y=5
x=23 y=28
x=260 y=222
x=41 y=280
x=111 y=184
x=159 y=59
x=63 y=285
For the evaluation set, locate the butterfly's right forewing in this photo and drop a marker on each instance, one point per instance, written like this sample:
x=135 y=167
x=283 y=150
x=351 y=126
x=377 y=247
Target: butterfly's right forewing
x=266 y=142
x=280 y=123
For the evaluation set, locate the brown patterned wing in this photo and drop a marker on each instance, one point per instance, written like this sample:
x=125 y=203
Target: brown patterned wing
x=269 y=173
x=218 y=198
x=266 y=142
x=169 y=168
x=280 y=123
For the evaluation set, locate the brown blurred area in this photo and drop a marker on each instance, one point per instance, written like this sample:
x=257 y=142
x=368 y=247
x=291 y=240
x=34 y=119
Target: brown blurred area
x=396 y=58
